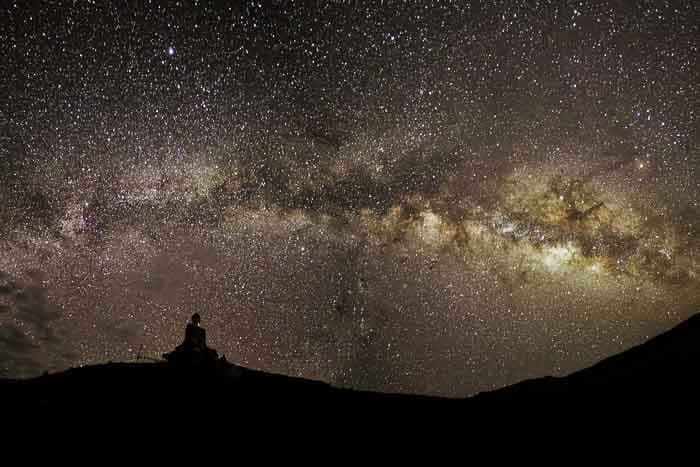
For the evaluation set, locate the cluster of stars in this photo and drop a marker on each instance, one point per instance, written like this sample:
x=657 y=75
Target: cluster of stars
x=431 y=197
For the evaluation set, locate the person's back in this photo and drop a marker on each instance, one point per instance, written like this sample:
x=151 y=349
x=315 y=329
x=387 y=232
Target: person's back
x=195 y=337
x=194 y=348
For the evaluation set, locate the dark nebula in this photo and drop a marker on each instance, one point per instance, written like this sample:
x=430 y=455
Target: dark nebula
x=425 y=197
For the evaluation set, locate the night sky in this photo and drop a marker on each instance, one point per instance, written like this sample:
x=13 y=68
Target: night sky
x=424 y=197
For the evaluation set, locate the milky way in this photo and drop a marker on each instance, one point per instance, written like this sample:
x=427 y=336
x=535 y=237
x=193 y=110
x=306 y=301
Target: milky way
x=429 y=197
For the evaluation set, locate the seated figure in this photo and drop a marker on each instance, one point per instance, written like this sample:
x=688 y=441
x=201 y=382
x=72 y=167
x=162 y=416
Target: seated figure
x=195 y=336
x=194 y=348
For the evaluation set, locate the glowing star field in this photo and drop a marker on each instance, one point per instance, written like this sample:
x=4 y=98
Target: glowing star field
x=421 y=197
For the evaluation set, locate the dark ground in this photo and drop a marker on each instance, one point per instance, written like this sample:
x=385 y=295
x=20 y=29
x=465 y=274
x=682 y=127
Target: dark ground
x=660 y=373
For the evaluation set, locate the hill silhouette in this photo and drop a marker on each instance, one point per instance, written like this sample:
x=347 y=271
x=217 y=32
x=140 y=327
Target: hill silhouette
x=663 y=370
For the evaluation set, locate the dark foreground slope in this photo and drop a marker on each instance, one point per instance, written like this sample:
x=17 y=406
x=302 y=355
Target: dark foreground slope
x=662 y=371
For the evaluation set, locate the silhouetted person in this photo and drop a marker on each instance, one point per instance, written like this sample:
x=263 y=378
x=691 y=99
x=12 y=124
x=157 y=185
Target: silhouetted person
x=195 y=336
x=194 y=347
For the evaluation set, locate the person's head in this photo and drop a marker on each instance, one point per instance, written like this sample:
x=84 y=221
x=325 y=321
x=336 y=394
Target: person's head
x=196 y=319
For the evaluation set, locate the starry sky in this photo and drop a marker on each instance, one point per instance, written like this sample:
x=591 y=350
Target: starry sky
x=435 y=197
